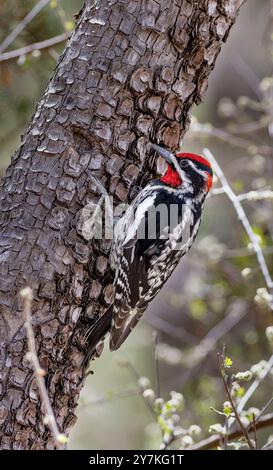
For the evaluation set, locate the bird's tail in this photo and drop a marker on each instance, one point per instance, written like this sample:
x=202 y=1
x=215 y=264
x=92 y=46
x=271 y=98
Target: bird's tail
x=97 y=332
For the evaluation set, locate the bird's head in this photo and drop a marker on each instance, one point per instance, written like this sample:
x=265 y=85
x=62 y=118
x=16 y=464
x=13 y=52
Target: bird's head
x=186 y=168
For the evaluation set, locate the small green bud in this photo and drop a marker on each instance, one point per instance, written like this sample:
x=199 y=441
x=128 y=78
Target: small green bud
x=176 y=402
x=237 y=390
x=158 y=404
x=263 y=296
x=149 y=394
x=144 y=382
x=227 y=408
x=186 y=441
x=217 y=428
x=194 y=430
x=246 y=272
x=269 y=334
x=244 y=376
x=258 y=369
x=252 y=411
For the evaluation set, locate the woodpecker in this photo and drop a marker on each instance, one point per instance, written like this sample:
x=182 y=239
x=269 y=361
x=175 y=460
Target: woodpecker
x=155 y=232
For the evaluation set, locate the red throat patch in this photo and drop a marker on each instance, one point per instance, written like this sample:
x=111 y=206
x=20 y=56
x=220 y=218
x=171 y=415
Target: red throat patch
x=171 y=177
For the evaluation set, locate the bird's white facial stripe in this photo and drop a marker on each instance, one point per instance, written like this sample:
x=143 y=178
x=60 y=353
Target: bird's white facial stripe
x=197 y=170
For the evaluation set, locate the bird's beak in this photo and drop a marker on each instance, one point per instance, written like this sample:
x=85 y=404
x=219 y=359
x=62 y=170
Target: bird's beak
x=166 y=154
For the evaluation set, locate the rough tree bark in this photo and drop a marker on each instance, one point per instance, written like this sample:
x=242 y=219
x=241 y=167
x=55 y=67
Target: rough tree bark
x=130 y=74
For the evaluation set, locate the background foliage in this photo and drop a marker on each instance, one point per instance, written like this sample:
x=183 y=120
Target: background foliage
x=212 y=299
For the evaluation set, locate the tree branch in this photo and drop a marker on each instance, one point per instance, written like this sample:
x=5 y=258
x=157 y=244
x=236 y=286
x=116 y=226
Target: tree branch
x=36 y=46
x=214 y=441
x=243 y=219
x=21 y=26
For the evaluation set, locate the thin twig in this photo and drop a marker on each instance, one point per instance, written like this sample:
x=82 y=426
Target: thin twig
x=200 y=352
x=36 y=46
x=263 y=410
x=207 y=130
x=59 y=439
x=250 y=196
x=21 y=26
x=61 y=14
x=131 y=392
x=179 y=333
x=136 y=375
x=236 y=414
x=256 y=195
x=239 y=252
x=243 y=219
x=255 y=430
x=212 y=442
x=246 y=72
x=243 y=2
x=250 y=127
x=157 y=363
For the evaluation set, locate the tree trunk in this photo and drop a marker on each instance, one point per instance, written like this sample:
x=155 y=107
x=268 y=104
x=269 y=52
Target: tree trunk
x=129 y=75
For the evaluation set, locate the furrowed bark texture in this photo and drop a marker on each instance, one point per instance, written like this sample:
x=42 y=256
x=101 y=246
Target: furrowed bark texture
x=130 y=74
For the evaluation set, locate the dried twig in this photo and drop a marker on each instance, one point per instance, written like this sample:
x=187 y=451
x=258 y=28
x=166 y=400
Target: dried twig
x=59 y=439
x=21 y=26
x=131 y=392
x=36 y=46
x=255 y=430
x=256 y=195
x=250 y=196
x=157 y=365
x=208 y=343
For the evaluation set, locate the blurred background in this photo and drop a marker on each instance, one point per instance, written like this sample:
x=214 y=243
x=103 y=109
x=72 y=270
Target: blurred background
x=212 y=299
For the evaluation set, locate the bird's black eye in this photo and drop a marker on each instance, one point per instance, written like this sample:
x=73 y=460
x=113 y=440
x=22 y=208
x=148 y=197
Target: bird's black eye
x=183 y=163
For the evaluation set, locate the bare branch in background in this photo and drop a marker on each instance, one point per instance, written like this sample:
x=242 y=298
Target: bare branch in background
x=205 y=130
x=36 y=46
x=21 y=26
x=131 y=392
x=209 y=342
x=213 y=442
x=59 y=439
x=243 y=219
x=246 y=73
x=256 y=195
x=250 y=196
x=179 y=333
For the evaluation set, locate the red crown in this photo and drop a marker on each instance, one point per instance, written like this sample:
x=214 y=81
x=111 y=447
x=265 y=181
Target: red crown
x=195 y=157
